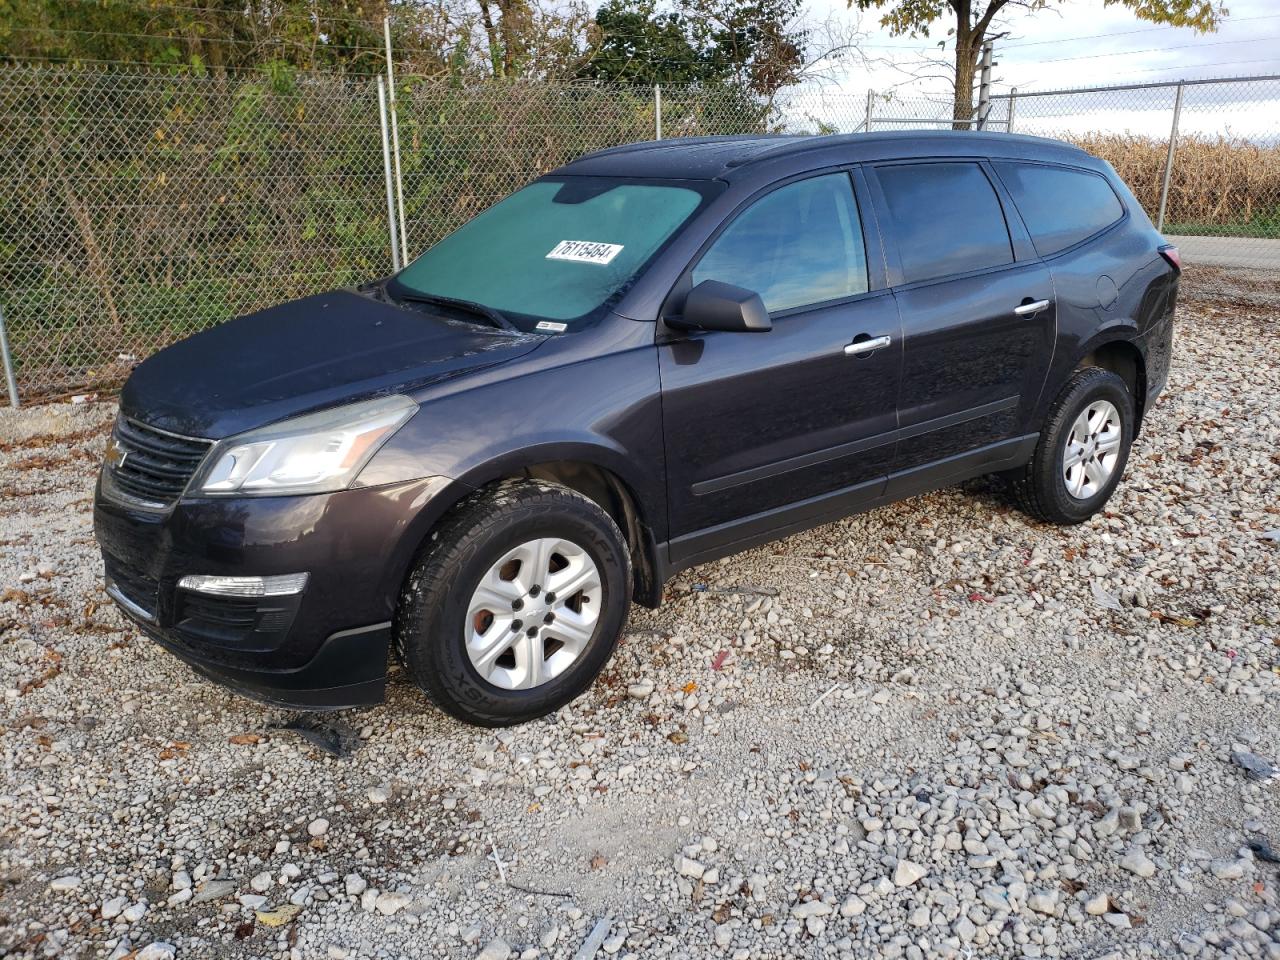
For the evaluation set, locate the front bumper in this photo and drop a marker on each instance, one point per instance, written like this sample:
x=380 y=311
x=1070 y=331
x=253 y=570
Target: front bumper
x=349 y=670
x=324 y=648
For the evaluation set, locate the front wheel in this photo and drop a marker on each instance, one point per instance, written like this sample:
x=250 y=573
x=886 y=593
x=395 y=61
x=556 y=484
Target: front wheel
x=517 y=603
x=1082 y=450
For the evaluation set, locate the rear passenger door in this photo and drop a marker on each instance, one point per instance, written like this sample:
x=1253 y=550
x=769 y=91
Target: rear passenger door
x=977 y=308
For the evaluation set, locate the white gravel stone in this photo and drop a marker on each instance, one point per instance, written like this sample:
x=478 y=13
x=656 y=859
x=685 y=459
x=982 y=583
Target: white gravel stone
x=1229 y=869
x=134 y=912
x=906 y=873
x=810 y=908
x=390 y=903
x=1137 y=863
x=214 y=890
x=688 y=868
x=853 y=906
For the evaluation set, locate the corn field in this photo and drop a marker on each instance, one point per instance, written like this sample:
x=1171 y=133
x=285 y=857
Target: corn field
x=1219 y=186
x=140 y=207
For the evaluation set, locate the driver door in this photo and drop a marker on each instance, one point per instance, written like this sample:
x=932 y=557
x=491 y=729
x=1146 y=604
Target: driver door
x=780 y=428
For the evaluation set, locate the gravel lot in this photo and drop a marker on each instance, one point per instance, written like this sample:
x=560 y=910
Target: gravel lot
x=937 y=730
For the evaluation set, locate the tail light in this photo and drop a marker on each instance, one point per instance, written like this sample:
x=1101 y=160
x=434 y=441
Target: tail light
x=1170 y=253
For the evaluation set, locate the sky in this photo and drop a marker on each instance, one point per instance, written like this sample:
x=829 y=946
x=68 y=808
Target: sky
x=1080 y=43
x=1084 y=43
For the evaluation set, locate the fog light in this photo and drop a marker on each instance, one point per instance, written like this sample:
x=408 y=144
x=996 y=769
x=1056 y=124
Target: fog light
x=279 y=586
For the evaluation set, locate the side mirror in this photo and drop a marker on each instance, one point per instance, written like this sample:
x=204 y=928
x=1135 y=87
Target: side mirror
x=713 y=305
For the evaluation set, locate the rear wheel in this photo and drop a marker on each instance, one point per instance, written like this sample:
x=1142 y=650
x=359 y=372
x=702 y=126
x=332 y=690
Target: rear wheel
x=517 y=603
x=1082 y=450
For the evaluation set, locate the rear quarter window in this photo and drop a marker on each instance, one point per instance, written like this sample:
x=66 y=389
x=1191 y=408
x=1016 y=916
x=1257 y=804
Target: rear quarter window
x=1060 y=206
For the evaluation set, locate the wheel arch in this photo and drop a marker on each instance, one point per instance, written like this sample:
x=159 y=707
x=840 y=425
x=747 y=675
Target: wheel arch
x=591 y=473
x=1122 y=356
x=616 y=497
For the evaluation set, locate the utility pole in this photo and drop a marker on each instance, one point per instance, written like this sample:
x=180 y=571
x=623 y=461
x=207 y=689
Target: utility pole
x=984 y=85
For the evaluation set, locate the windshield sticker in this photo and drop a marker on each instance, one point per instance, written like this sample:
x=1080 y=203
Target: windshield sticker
x=585 y=251
x=548 y=326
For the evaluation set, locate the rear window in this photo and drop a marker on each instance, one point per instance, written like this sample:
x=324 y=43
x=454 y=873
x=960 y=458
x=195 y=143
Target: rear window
x=1060 y=206
x=947 y=219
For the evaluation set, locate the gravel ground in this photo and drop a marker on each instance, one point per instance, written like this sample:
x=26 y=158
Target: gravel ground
x=937 y=730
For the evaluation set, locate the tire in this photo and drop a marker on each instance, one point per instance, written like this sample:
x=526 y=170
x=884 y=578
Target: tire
x=454 y=609
x=1043 y=487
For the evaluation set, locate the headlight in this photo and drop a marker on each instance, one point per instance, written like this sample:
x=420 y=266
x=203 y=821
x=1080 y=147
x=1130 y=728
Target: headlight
x=317 y=453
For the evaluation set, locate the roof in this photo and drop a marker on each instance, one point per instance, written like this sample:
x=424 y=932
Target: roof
x=708 y=158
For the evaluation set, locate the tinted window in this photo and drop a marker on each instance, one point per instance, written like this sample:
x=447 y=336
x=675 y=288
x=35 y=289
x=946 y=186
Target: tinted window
x=947 y=219
x=798 y=245
x=1060 y=206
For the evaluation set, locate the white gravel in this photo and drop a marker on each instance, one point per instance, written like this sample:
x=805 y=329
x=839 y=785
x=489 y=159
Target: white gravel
x=923 y=732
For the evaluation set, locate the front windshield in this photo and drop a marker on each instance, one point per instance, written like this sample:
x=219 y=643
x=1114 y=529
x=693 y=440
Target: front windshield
x=558 y=252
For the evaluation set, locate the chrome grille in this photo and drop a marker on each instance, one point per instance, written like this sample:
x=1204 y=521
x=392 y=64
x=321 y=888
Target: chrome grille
x=151 y=466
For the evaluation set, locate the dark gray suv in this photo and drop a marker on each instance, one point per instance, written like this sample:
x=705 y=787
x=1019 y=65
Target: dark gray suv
x=657 y=355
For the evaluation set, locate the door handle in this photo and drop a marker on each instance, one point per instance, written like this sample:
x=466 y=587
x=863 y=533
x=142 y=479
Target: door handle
x=859 y=347
x=1030 y=309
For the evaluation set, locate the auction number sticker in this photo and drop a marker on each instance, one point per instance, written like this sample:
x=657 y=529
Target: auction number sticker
x=585 y=251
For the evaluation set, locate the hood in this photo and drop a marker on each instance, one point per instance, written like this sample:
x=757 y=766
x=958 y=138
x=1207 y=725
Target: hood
x=305 y=355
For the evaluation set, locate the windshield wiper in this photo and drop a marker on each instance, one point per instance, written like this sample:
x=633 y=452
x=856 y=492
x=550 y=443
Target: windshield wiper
x=470 y=306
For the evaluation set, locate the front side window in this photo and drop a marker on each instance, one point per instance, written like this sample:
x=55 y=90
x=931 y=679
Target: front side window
x=947 y=219
x=799 y=245
x=1060 y=206
x=561 y=250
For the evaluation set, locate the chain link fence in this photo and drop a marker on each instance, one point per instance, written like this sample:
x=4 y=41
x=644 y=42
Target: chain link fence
x=141 y=207
x=138 y=209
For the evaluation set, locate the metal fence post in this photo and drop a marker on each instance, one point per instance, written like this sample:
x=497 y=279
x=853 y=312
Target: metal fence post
x=386 y=169
x=657 y=111
x=1168 y=160
x=871 y=99
x=395 y=143
x=8 y=364
x=1013 y=99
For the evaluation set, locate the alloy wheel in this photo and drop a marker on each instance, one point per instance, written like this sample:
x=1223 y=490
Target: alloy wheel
x=1093 y=449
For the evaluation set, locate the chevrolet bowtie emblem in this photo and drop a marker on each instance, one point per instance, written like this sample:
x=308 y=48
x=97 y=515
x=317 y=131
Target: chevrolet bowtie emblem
x=114 y=456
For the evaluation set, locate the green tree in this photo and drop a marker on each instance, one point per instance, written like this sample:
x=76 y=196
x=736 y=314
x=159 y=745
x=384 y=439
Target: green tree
x=756 y=44
x=638 y=43
x=973 y=21
x=205 y=34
